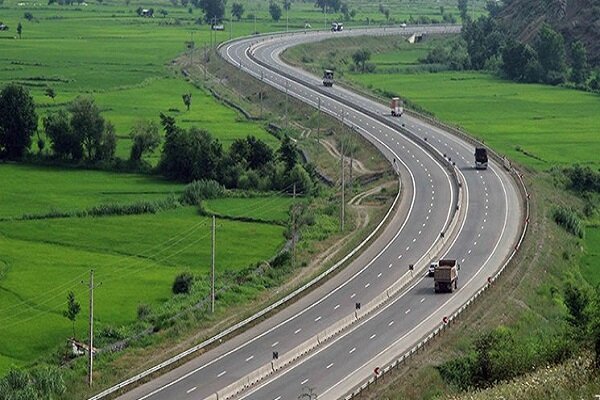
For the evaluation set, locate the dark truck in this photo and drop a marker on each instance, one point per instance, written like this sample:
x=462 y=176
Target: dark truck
x=328 y=78
x=445 y=276
x=481 y=158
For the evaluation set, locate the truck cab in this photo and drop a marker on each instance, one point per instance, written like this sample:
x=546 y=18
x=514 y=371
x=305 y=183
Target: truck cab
x=337 y=27
x=328 y=78
x=481 y=158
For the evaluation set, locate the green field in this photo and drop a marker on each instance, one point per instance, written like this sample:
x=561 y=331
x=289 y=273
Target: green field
x=272 y=208
x=37 y=190
x=590 y=268
x=136 y=257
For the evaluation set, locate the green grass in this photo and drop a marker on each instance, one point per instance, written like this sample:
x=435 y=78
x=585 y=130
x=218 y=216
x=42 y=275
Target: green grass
x=272 y=208
x=555 y=125
x=36 y=190
x=135 y=257
x=590 y=268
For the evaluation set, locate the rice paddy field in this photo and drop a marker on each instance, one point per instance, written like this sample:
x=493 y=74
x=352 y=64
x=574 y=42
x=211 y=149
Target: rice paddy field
x=135 y=257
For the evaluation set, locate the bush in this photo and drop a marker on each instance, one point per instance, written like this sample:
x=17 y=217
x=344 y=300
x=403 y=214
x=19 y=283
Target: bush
x=281 y=259
x=183 y=283
x=196 y=191
x=569 y=220
x=143 y=311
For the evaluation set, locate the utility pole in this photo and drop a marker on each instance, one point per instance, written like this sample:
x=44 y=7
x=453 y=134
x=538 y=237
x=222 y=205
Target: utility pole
x=286 y=105
x=91 y=288
x=262 y=77
x=239 y=84
x=343 y=210
x=212 y=268
x=205 y=60
x=319 y=121
x=294 y=228
x=230 y=26
x=287 y=12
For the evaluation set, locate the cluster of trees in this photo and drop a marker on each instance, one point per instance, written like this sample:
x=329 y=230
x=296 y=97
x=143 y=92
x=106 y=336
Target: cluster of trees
x=484 y=45
x=193 y=154
x=79 y=132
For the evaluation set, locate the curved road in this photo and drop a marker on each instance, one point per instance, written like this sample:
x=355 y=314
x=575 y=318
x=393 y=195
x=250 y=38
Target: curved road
x=485 y=237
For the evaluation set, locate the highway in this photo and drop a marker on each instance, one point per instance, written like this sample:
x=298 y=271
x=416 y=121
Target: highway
x=480 y=235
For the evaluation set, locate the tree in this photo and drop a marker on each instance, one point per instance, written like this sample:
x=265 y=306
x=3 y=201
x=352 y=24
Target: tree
x=163 y=12
x=214 y=10
x=275 y=11
x=287 y=5
x=189 y=155
x=237 y=10
x=581 y=69
x=65 y=144
x=18 y=121
x=360 y=58
x=577 y=302
x=145 y=138
x=494 y=7
x=463 y=7
x=516 y=57
x=183 y=283
x=19 y=29
x=108 y=143
x=88 y=125
x=288 y=153
x=50 y=93
x=28 y=16
x=187 y=100
x=550 y=48
x=73 y=308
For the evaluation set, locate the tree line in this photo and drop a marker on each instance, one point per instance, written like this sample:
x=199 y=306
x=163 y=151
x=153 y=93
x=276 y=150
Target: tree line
x=79 y=133
x=485 y=45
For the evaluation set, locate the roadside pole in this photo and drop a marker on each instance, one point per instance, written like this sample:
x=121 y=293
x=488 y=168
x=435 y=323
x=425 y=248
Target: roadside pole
x=212 y=268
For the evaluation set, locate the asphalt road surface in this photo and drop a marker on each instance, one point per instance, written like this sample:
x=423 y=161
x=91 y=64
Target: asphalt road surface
x=484 y=238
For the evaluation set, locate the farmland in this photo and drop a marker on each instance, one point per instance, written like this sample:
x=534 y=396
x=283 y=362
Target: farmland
x=536 y=125
x=136 y=257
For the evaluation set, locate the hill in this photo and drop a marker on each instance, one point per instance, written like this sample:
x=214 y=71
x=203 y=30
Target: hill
x=575 y=19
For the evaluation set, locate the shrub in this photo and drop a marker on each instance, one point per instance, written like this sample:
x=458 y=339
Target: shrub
x=196 y=191
x=183 y=283
x=281 y=259
x=569 y=220
x=143 y=311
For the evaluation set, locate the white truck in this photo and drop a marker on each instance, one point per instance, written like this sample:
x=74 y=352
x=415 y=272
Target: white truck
x=396 y=107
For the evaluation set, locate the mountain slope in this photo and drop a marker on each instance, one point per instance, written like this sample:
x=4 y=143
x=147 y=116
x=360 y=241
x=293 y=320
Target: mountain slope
x=575 y=19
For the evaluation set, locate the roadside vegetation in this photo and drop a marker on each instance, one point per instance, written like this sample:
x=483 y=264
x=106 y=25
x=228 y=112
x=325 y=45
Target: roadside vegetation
x=542 y=315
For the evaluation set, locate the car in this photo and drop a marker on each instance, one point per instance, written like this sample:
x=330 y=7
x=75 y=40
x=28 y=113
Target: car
x=403 y=25
x=431 y=270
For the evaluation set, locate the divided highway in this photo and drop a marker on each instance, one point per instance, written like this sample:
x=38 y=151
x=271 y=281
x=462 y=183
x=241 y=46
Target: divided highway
x=480 y=233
